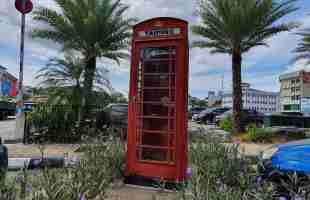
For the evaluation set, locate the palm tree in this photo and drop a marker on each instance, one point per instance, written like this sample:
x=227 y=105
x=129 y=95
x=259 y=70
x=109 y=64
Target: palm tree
x=303 y=48
x=234 y=27
x=95 y=28
x=64 y=79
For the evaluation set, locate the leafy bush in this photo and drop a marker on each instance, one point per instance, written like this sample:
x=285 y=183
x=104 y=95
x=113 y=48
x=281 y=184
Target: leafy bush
x=7 y=192
x=100 y=165
x=227 y=124
x=219 y=172
x=255 y=134
x=59 y=124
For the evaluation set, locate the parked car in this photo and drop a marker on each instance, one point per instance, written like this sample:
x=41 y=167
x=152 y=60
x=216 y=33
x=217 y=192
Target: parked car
x=113 y=114
x=289 y=157
x=247 y=117
x=208 y=115
x=194 y=111
x=279 y=162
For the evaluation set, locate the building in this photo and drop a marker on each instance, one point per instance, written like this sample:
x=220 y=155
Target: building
x=214 y=99
x=8 y=83
x=253 y=99
x=295 y=92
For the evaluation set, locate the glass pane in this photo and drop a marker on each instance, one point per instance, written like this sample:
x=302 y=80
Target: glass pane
x=156 y=105
x=154 y=154
x=155 y=110
x=158 y=80
x=155 y=139
x=156 y=95
x=155 y=124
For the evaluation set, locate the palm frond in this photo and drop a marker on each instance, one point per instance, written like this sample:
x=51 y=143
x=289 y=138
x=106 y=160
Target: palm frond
x=239 y=24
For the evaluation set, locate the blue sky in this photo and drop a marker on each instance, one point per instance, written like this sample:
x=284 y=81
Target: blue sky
x=261 y=66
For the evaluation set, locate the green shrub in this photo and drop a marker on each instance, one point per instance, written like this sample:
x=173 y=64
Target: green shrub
x=59 y=124
x=263 y=135
x=219 y=172
x=101 y=164
x=8 y=192
x=252 y=132
x=227 y=124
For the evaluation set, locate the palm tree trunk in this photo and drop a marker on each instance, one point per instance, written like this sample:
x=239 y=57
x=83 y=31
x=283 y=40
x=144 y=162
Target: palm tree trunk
x=88 y=84
x=237 y=91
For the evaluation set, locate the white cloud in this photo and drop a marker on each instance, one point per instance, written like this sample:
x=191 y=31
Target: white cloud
x=297 y=66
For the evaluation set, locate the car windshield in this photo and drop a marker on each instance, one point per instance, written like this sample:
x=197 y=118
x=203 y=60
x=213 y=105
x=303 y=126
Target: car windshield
x=208 y=110
x=120 y=108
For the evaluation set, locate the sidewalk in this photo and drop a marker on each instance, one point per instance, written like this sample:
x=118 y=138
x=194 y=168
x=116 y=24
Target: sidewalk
x=30 y=151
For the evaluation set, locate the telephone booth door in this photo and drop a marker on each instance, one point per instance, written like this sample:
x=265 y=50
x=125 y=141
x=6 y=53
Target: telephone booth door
x=153 y=126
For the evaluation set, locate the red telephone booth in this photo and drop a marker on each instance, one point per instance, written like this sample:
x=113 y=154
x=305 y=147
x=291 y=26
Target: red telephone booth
x=157 y=119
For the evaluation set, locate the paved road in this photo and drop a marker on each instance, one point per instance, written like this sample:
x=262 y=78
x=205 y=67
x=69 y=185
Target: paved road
x=7 y=130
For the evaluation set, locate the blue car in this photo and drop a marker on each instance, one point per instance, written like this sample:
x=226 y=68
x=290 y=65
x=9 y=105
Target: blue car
x=289 y=157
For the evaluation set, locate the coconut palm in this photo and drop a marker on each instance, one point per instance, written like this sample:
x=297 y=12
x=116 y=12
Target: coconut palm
x=95 y=28
x=234 y=27
x=303 y=48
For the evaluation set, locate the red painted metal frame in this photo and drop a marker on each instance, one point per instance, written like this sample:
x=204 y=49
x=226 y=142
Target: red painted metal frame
x=174 y=172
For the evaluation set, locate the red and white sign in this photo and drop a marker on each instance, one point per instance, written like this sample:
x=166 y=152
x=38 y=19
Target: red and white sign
x=24 y=6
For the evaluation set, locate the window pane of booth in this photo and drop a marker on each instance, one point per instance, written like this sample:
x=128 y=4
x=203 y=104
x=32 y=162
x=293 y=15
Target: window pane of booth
x=155 y=110
x=155 y=124
x=154 y=154
x=158 y=95
x=155 y=139
x=156 y=104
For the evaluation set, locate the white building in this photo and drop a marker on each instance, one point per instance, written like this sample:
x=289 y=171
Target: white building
x=295 y=92
x=262 y=101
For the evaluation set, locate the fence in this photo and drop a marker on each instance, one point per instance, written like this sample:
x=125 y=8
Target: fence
x=287 y=120
x=59 y=123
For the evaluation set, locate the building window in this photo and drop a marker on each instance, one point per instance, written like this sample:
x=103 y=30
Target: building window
x=293 y=89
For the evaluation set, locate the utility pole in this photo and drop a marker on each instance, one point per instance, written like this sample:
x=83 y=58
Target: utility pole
x=24 y=7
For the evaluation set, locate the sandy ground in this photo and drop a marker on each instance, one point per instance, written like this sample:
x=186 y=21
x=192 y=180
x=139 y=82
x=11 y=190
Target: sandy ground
x=25 y=151
x=129 y=192
x=7 y=130
x=29 y=151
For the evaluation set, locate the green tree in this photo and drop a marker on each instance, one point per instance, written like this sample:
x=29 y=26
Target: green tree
x=63 y=79
x=303 y=48
x=234 y=27
x=95 y=28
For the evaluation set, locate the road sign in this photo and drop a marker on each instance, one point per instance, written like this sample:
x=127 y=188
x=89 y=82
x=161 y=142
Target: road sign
x=24 y=6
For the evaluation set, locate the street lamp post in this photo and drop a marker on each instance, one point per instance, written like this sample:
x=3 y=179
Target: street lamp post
x=24 y=7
